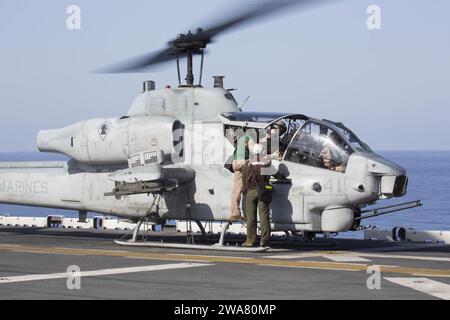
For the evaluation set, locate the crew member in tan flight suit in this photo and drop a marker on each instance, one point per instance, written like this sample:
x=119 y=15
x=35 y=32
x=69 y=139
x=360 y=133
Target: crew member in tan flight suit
x=244 y=143
x=257 y=190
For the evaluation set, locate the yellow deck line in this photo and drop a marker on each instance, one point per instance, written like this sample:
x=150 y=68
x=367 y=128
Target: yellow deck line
x=341 y=266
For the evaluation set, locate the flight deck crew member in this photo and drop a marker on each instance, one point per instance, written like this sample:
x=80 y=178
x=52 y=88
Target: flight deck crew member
x=244 y=142
x=257 y=200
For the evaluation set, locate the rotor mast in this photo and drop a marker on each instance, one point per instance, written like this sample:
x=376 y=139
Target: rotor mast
x=188 y=45
x=189 y=73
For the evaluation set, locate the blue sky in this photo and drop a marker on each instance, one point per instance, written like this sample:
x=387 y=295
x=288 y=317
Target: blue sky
x=391 y=86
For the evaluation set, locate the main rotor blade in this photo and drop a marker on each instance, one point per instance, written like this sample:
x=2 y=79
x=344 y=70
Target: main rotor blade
x=137 y=64
x=258 y=11
x=203 y=37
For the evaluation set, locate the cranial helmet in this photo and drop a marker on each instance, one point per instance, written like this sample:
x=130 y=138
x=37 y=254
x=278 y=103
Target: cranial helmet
x=281 y=126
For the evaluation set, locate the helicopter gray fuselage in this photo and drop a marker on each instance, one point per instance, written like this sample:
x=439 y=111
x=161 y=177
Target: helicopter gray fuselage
x=307 y=198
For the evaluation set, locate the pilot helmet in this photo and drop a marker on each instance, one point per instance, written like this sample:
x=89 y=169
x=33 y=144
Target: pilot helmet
x=281 y=126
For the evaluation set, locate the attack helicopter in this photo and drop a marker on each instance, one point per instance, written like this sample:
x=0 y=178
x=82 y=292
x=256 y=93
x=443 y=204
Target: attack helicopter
x=165 y=158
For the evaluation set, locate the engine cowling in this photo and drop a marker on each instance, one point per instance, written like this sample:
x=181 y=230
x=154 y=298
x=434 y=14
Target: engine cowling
x=112 y=140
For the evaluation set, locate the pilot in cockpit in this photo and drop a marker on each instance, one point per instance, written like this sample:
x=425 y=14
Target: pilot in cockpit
x=330 y=153
x=275 y=135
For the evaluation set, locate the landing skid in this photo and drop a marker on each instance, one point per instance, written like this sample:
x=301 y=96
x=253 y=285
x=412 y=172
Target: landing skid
x=214 y=247
x=220 y=246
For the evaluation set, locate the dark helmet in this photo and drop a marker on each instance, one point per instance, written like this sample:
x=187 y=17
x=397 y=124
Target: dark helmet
x=281 y=126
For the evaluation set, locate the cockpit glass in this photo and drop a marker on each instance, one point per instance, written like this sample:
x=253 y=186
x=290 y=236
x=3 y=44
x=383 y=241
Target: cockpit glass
x=319 y=146
x=351 y=137
x=274 y=135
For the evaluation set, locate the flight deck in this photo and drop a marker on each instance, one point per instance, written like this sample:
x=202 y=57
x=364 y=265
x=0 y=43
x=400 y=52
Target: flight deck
x=34 y=264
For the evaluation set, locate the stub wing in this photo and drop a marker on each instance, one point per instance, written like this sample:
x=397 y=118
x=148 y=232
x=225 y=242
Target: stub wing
x=153 y=172
x=148 y=179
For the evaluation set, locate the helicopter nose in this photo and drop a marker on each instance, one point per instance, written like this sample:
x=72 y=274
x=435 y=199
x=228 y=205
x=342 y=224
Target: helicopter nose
x=393 y=179
x=381 y=166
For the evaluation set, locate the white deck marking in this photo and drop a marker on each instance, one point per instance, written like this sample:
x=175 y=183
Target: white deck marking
x=357 y=256
x=425 y=285
x=392 y=256
x=346 y=257
x=101 y=272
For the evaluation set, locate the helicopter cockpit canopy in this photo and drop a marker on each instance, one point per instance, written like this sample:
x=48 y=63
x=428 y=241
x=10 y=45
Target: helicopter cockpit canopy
x=258 y=120
x=319 y=143
x=324 y=144
x=350 y=136
x=261 y=121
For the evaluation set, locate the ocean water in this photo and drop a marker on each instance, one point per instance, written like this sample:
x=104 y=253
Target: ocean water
x=429 y=181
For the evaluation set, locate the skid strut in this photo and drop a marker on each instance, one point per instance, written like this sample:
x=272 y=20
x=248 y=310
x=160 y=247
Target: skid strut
x=154 y=211
x=220 y=246
x=136 y=230
x=222 y=234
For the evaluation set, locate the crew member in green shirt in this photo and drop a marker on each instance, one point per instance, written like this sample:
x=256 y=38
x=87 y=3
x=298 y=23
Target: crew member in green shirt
x=244 y=142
